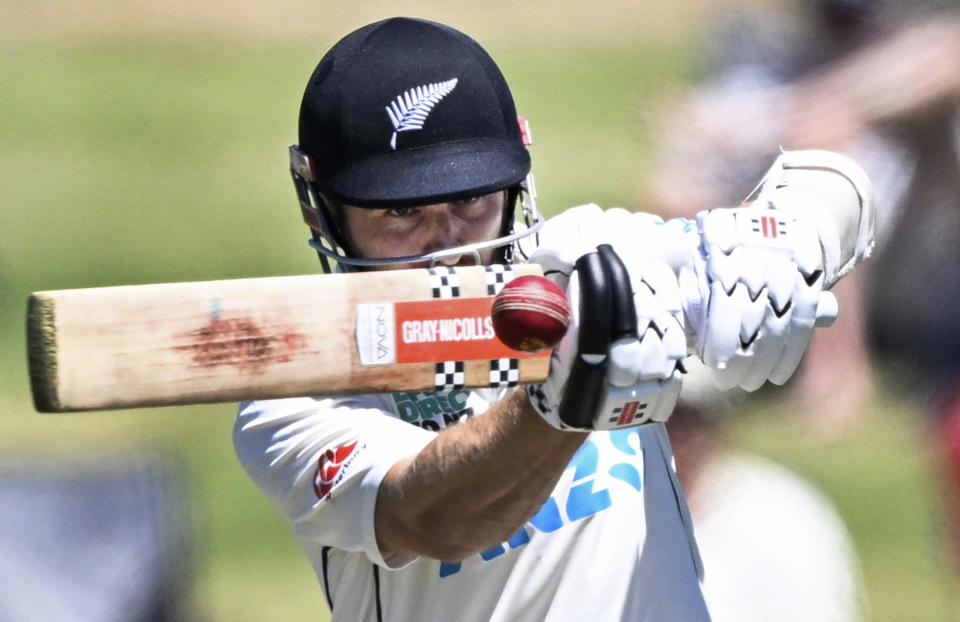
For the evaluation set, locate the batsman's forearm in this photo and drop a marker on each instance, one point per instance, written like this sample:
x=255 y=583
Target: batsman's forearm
x=474 y=485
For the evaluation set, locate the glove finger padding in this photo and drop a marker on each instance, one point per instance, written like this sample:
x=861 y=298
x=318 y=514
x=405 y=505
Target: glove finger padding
x=764 y=293
x=620 y=365
x=806 y=309
x=645 y=369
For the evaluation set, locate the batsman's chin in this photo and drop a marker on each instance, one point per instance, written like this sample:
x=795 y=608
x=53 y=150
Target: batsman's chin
x=455 y=261
x=459 y=261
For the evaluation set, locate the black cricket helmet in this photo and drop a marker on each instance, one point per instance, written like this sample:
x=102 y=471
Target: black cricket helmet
x=407 y=112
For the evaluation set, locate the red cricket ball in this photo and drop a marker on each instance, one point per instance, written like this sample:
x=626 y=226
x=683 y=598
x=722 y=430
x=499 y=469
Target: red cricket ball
x=531 y=313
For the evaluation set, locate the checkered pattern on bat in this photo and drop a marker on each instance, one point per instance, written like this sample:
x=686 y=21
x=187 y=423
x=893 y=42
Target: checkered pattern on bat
x=449 y=375
x=496 y=276
x=504 y=372
x=444 y=282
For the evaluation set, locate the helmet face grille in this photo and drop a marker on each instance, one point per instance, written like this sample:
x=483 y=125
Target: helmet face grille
x=409 y=112
x=330 y=245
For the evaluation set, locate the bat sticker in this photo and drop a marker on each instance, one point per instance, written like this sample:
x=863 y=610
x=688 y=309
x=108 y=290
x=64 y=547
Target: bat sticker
x=431 y=331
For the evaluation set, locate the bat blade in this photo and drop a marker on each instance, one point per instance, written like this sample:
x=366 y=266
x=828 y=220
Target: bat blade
x=244 y=339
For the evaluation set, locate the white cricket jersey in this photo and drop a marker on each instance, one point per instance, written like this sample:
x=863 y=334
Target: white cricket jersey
x=613 y=542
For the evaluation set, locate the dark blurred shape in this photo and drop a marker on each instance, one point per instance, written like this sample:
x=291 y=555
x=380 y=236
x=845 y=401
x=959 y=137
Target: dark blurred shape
x=914 y=299
x=844 y=15
x=92 y=541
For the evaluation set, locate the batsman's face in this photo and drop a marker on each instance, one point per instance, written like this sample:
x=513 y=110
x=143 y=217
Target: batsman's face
x=399 y=232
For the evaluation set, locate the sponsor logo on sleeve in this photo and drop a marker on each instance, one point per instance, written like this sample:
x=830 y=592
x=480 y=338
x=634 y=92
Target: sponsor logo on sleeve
x=332 y=467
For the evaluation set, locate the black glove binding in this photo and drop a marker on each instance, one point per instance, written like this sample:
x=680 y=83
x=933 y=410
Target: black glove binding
x=607 y=313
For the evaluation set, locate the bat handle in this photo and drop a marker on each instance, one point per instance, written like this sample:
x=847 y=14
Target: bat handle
x=827 y=309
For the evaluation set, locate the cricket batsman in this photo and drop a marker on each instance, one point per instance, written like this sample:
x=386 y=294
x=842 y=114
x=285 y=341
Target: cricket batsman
x=556 y=501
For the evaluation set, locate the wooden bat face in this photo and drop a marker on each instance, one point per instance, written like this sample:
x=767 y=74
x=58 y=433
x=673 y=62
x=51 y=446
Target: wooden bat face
x=244 y=339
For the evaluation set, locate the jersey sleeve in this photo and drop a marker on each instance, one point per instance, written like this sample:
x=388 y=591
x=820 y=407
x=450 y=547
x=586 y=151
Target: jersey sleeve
x=321 y=461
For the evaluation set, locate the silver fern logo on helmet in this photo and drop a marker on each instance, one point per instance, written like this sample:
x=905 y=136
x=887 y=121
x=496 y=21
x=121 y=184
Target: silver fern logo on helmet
x=409 y=111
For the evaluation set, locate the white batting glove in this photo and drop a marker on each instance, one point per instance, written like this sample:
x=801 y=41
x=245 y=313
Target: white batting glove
x=619 y=362
x=754 y=292
x=835 y=194
x=751 y=294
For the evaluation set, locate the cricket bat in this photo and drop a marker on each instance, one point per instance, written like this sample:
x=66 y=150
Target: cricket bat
x=244 y=339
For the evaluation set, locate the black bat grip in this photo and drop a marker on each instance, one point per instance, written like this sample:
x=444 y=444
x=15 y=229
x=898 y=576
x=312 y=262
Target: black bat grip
x=624 y=312
x=584 y=390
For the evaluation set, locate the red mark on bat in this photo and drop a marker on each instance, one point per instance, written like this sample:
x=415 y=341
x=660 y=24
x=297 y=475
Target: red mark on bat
x=292 y=342
x=240 y=342
x=329 y=468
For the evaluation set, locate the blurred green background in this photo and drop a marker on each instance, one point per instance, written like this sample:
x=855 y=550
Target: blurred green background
x=144 y=142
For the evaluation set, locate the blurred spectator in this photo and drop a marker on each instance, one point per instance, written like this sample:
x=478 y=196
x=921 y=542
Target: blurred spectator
x=773 y=547
x=818 y=76
x=93 y=540
x=880 y=81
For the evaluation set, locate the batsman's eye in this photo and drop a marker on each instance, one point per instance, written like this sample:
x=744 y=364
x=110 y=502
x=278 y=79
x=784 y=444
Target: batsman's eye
x=401 y=212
